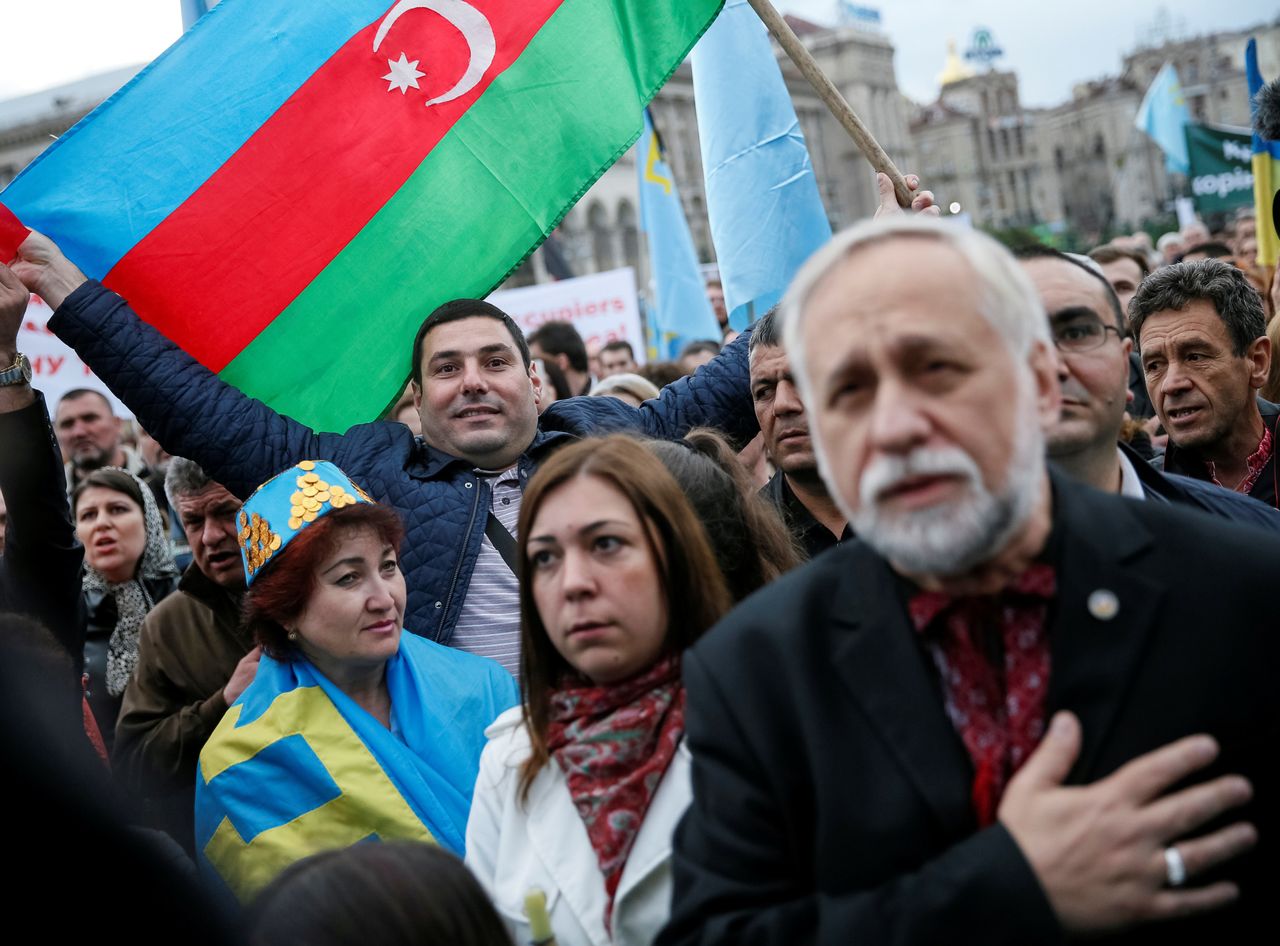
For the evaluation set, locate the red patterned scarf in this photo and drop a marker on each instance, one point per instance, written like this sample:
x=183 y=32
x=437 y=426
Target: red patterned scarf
x=997 y=704
x=614 y=744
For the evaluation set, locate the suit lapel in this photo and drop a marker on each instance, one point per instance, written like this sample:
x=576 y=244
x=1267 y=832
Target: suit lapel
x=1107 y=605
x=878 y=658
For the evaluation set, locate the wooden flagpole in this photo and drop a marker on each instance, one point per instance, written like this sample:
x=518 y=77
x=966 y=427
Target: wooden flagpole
x=831 y=96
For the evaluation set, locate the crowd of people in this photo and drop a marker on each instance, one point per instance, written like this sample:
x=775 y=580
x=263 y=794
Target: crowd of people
x=931 y=608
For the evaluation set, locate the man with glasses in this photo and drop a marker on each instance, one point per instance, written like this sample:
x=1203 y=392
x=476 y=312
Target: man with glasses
x=1088 y=328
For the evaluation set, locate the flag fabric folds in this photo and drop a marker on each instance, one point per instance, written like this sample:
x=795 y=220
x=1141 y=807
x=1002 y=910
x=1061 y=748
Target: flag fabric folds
x=1266 y=171
x=762 y=196
x=289 y=189
x=678 y=311
x=1162 y=115
x=296 y=766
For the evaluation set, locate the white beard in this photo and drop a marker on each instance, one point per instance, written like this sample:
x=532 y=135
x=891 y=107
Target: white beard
x=952 y=537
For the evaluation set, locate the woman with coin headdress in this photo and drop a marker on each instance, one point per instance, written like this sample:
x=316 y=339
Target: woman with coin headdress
x=352 y=729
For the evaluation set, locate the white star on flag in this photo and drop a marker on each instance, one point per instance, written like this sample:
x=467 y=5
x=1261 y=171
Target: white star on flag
x=403 y=74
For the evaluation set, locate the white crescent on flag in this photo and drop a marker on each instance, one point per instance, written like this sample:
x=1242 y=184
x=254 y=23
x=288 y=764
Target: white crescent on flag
x=469 y=21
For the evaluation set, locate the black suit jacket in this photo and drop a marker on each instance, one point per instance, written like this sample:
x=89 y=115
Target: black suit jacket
x=832 y=794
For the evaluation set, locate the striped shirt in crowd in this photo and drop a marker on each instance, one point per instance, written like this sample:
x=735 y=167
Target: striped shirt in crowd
x=489 y=624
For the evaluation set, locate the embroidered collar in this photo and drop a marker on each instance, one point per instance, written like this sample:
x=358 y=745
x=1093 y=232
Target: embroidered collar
x=1257 y=460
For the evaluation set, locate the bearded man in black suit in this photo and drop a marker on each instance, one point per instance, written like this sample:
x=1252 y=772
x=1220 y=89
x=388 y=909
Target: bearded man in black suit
x=1016 y=710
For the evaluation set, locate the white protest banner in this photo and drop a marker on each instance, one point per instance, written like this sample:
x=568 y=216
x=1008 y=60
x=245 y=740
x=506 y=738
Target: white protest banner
x=602 y=307
x=55 y=368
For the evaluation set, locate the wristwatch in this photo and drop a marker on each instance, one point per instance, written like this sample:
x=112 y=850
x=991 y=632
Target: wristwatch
x=17 y=373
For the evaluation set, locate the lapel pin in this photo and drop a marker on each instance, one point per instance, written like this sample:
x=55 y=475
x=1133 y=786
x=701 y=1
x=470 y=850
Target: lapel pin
x=1103 y=604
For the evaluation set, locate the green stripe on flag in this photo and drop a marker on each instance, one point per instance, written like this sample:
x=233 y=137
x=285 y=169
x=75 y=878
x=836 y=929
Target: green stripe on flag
x=478 y=204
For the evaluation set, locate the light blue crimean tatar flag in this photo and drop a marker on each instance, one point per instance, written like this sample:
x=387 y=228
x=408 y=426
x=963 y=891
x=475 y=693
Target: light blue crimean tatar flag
x=679 y=312
x=1163 y=115
x=762 y=196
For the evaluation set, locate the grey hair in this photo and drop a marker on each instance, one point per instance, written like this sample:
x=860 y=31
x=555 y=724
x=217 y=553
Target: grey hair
x=766 y=332
x=1176 y=287
x=183 y=478
x=1007 y=297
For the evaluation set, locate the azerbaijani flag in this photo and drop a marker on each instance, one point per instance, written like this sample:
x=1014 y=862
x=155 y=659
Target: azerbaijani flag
x=1266 y=170
x=289 y=189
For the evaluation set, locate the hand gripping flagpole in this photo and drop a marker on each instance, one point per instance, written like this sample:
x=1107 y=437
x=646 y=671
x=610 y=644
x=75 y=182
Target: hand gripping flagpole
x=831 y=96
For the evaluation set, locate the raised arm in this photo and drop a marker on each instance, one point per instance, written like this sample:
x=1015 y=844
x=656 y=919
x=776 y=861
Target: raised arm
x=40 y=567
x=717 y=395
x=239 y=441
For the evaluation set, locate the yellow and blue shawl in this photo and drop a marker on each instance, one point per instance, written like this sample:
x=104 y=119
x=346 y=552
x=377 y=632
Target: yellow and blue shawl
x=296 y=767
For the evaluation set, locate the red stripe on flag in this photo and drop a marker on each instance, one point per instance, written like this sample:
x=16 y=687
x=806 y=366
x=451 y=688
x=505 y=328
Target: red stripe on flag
x=225 y=263
x=12 y=234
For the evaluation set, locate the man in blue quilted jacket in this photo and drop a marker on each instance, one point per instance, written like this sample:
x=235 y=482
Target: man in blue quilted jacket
x=458 y=488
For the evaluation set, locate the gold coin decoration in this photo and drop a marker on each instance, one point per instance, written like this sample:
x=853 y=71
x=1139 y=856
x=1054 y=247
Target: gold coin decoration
x=258 y=541
x=306 y=504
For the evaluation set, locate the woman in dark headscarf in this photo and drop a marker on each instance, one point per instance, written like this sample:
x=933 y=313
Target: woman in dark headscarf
x=128 y=569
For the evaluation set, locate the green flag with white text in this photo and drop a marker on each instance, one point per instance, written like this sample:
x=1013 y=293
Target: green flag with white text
x=1221 y=167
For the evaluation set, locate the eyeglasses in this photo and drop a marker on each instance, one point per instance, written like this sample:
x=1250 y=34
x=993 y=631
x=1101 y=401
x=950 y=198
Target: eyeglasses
x=1082 y=335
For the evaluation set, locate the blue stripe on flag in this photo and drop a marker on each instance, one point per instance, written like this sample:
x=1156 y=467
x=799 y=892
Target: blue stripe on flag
x=679 y=312
x=278 y=784
x=213 y=89
x=762 y=197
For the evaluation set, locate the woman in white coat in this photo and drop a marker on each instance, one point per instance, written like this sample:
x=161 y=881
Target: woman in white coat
x=581 y=787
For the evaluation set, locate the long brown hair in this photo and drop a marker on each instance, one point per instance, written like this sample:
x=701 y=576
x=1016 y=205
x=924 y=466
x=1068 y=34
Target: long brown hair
x=691 y=580
x=751 y=542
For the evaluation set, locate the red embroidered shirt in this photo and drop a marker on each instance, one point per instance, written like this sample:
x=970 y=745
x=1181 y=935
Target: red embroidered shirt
x=1257 y=460
x=992 y=653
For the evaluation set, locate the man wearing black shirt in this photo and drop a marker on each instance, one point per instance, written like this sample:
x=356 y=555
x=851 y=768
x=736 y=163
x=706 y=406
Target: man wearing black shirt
x=796 y=488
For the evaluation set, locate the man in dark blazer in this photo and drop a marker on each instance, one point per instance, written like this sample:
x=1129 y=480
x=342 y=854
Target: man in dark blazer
x=852 y=781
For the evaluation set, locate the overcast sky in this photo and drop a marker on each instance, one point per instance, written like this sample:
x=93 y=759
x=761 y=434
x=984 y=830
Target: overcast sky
x=47 y=42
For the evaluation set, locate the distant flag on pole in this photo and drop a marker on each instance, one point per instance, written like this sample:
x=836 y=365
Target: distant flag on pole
x=289 y=189
x=762 y=197
x=1266 y=170
x=678 y=311
x=192 y=10
x=1162 y=115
